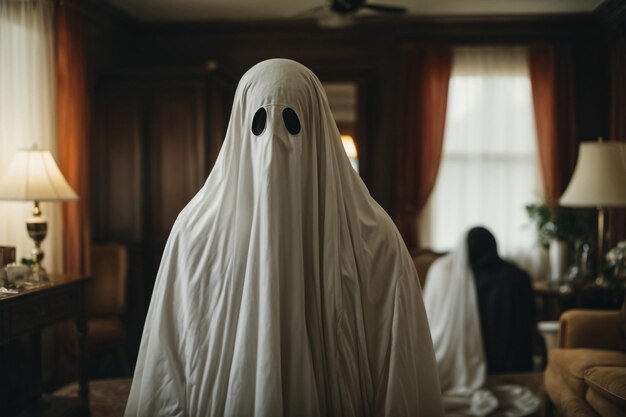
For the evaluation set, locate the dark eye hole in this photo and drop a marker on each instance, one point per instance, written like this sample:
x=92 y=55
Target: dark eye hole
x=258 y=121
x=291 y=121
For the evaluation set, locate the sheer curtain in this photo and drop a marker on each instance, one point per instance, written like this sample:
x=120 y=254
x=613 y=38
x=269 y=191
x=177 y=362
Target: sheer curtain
x=489 y=169
x=27 y=113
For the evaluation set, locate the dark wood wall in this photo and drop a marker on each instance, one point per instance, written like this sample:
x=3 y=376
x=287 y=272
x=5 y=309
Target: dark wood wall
x=161 y=100
x=156 y=136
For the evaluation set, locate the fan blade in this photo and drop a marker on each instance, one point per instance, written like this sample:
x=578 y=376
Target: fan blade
x=313 y=11
x=385 y=9
x=335 y=21
x=346 y=6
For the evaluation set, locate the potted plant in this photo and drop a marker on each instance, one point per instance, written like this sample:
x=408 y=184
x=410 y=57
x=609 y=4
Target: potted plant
x=563 y=231
x=615 y=267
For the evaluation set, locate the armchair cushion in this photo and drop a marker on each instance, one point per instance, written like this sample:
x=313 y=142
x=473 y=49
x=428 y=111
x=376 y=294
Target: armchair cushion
x=601 y=405
x=609 y=382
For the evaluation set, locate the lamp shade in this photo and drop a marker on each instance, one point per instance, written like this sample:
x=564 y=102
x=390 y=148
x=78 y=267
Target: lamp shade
x=599 y=178
x=32 y=175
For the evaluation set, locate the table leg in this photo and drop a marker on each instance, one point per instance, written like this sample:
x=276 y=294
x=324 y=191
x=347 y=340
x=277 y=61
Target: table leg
x=5 y=386
x=83 y=384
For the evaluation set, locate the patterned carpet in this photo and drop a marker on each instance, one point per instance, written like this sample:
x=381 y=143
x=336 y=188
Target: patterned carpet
x=107 y=397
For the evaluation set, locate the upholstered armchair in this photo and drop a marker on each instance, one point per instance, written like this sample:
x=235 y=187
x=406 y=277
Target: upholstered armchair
x=106 y=306
x=586 y=374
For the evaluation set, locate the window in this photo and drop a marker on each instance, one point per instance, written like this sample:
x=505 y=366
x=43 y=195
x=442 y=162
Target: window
x=27 y=113
x=489 y=168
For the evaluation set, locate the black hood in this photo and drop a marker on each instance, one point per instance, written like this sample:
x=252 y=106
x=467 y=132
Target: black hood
x=482 y=248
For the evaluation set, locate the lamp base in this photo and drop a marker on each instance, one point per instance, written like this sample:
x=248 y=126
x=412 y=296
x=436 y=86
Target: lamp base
x=37 y=227
x=601 y=282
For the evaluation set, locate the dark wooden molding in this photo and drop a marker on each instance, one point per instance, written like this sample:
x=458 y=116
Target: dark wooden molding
x=612 y=16
x=149 y=73
x=101 y=11
x=484 y=28
x=448 y=28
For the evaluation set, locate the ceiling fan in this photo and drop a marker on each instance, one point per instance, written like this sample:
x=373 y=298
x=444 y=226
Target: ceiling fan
x=351 y=6
x=340 y=13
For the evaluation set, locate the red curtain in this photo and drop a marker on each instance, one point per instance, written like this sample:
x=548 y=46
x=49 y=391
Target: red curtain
x=553 y=100
x=425 y=78
x=72 y=105
x=73 y=133
x=617 y=217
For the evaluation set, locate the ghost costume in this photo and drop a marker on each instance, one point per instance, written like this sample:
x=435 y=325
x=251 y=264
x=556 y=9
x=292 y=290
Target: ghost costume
x=505 y=303
x=453 y=309
x=284 y=288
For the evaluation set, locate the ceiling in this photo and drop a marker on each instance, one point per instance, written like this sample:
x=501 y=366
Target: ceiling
x=193 y=10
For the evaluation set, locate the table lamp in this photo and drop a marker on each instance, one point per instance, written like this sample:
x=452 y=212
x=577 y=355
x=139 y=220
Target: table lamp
x=32 y=175
x=350 y=148
x=599 y=181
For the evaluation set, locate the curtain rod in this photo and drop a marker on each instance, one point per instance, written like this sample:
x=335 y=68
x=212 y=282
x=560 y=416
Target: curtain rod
x=28 y=1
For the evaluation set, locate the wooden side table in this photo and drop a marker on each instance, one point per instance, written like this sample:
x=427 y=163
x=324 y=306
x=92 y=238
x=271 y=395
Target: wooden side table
x=552 y=301
x=27 y=313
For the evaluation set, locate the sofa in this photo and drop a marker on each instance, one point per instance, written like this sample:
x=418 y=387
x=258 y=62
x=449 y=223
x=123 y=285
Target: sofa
x=586 y=374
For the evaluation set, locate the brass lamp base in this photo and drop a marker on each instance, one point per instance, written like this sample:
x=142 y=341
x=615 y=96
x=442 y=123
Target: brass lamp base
x=601 y=282
x=37 y=227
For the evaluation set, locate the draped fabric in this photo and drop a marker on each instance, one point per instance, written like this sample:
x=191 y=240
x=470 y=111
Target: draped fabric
x=452 y=308
x=617 y=216
x=73 y=133
x=553 y=99
x=27 y=115
x=284 y=288
x=425 y=78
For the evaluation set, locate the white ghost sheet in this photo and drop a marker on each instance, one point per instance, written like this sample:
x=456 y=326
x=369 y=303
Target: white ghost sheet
x=284 y=288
